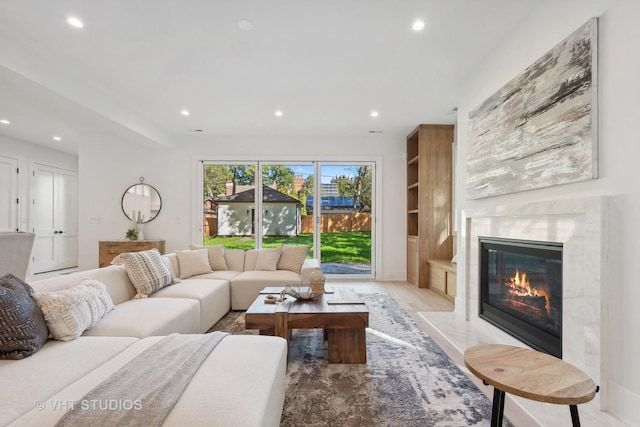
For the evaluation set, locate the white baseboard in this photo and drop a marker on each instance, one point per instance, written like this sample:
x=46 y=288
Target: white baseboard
x=624 y=403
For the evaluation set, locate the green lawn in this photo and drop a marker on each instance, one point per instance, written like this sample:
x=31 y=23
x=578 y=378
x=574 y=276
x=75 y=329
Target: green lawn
x=352 y=247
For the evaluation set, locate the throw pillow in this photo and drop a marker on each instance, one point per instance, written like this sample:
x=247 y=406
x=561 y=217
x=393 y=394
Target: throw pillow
x=147 y=271
x=268 y=259
x=292 y=258
x=70 y=312
x=193 y=263
x=216 y=256
x=23 y=330
x=171 y=261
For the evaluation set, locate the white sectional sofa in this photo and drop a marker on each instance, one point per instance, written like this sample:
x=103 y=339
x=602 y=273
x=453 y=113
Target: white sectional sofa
x=240 y=383
x=246 y=281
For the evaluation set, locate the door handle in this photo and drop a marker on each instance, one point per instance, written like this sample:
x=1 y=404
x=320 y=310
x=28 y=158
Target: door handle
x=55 y=232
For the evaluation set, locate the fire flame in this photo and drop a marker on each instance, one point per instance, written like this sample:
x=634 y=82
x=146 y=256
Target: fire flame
x=520 y=285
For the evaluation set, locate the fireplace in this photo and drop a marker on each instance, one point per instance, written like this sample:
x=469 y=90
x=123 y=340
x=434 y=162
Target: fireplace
x=521 y=290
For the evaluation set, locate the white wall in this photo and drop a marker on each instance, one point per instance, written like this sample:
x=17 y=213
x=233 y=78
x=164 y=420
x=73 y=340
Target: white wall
x=280 y=219
x=27 y=154
x=235 y=219
x=619 y=150
x=109 y=166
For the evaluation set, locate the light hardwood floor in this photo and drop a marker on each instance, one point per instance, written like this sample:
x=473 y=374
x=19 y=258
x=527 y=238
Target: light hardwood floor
x=411 y=298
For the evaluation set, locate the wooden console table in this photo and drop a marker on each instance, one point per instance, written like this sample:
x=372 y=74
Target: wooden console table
x=530 y=374
x=108 y=250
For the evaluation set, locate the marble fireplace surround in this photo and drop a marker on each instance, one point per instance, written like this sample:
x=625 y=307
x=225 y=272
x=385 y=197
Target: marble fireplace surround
x=581 y=226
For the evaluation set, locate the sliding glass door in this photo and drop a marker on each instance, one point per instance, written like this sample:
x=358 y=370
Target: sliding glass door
x=229 y=215
x=285 y=190
x=327 y=206
x=344 y=214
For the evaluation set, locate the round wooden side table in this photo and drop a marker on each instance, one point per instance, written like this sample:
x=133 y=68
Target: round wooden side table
x=530 y=374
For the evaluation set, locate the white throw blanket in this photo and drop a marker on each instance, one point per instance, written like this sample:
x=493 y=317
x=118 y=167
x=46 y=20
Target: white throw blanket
x=143 y=391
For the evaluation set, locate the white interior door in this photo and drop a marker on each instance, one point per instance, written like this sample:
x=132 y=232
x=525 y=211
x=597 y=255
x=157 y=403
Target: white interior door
x=54 y=208
x=43 y=189
x=8 y=194
x=67 y=200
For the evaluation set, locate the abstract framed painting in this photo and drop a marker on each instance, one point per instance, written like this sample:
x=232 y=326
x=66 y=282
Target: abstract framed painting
x=540 y=129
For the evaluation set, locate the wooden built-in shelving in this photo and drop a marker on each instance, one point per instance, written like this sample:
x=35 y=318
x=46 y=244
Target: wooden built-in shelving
x=429 y=200
x=442 y=277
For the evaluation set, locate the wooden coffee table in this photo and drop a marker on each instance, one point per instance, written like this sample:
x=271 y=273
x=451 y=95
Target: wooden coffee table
x=341 y=313
x=529 y=374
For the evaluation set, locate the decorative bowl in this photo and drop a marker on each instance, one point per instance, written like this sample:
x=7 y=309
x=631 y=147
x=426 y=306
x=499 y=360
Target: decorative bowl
x=301 y=292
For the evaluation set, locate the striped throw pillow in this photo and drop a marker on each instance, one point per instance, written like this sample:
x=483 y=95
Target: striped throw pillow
x=147 y=271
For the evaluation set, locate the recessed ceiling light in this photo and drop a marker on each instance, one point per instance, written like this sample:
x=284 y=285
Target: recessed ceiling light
x=75 y=22
x=185 y=112
x=57 y=138
x=5 y=122
x=279 y=113
x=418 y=25
x=245 y=25
x=374 y=114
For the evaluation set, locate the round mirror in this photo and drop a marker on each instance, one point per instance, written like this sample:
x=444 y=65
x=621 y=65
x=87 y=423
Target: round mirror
x=141 y=202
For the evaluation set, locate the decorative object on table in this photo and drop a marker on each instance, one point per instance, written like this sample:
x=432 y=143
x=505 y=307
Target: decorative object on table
x=540 y=129
x=141 y=203
x=301 y=292
x=140 y=230
x=316 y=282
x=272 y=299
x=132 y=234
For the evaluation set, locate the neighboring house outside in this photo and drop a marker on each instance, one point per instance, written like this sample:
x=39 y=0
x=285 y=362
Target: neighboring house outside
x=281 y=214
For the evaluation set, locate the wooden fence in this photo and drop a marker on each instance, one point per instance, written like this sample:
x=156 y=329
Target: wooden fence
x=330 y=223
x=210 y=225
x=339 y=222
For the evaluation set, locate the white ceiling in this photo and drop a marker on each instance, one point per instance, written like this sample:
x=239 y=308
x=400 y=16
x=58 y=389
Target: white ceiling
x=326 y=64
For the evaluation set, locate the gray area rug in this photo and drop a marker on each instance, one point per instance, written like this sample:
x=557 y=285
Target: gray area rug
x=407 y=381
